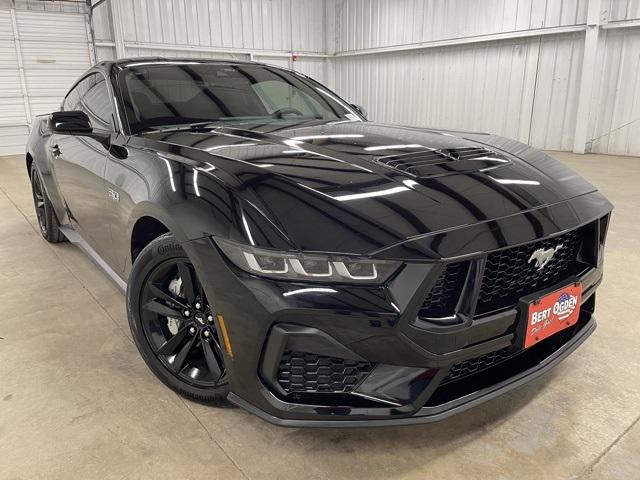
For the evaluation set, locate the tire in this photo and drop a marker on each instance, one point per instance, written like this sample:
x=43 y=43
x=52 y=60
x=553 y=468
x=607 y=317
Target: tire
x=46 y=215
x=168 y=315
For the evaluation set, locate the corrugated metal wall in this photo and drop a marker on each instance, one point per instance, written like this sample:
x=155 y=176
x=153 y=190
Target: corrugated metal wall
x=623 y=9
x=512 y=67
x=363 y=24
x=616 y=126
x=399 y=59
x=265 y=30
x=38 y=63
x=516 y=89
x=616 y=120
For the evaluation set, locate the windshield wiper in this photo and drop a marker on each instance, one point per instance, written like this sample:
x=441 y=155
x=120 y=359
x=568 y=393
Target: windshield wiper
x=184 y=127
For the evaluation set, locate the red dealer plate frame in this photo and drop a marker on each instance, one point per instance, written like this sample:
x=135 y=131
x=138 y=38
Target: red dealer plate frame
x=552 y=313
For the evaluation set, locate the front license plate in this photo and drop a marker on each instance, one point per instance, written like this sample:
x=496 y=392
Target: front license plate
x=552 y=313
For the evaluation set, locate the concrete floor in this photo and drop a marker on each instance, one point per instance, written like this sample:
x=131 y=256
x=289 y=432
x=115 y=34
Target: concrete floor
x=76 y=400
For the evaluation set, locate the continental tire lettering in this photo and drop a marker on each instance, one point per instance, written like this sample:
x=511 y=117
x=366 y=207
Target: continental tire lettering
x=172 y=247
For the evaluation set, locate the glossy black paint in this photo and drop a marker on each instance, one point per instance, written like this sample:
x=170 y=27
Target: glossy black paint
x=323 y=187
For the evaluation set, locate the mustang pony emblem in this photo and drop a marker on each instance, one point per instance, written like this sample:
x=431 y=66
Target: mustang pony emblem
x=542 y=256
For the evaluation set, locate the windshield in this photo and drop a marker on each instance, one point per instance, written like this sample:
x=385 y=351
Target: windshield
x=162 y=95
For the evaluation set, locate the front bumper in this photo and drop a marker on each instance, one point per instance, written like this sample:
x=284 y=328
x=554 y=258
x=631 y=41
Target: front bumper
x=413 y=360
x=411 y=379
x=425 y=414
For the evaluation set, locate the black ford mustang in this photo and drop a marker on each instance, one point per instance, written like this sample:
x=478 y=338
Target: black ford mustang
x=281 y=252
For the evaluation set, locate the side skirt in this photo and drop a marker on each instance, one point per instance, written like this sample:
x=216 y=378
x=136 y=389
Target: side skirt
x=75 y=238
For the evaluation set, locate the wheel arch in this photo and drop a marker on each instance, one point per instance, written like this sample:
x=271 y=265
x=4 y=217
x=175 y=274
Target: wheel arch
x=29 y=161
x=146 y=229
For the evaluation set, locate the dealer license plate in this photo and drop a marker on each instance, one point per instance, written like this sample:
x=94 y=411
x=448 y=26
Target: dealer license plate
x=552 y=313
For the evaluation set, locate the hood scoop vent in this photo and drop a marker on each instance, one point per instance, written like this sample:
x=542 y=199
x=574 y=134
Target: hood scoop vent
x=448 y=161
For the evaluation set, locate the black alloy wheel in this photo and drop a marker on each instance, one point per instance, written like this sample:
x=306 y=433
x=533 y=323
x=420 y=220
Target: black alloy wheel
x=174 y=324
x=47 y=220
x=38 y=201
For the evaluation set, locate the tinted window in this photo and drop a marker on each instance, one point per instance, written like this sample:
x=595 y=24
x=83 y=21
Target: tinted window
x=92 y=97
x=158 y=95
x=71 y=100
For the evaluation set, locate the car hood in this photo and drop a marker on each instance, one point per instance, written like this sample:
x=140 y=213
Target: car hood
x=345 y=187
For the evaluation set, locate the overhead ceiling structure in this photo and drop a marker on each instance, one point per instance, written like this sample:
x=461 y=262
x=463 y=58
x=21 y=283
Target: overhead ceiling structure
x=556 y=75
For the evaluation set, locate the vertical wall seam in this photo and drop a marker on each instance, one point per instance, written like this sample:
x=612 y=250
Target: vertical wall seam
x=23 y=79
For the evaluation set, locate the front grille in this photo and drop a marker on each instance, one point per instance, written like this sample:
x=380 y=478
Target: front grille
x=508 y=274
x=442 y=298
x=477 y=364
x=308 y=372
x=419 y=163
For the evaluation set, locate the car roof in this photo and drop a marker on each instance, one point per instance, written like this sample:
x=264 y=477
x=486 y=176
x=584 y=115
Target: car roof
x=127 y=62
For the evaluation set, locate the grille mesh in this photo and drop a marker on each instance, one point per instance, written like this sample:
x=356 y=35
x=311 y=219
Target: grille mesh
x=474 y=365
x=442 y=298
x=308 y=372
x=509 y=275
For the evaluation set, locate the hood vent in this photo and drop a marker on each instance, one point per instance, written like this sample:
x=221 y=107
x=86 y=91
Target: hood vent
x=445 y=161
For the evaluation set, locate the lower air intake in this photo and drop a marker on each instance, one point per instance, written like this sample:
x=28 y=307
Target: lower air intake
x=477 y=364
x=308 y=372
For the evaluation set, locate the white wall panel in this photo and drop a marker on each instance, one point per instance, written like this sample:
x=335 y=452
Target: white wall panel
x=54 y=49
x=555 y=102
x=315 y=68
x=524 y=88
x=362 y=24
x=13 y=120
x=617 y=116
x=46 y=6
x=196 y=28
x=623 y=9
x=462 y=88
x=283 y=25
x=11 y=102
x=53 y=57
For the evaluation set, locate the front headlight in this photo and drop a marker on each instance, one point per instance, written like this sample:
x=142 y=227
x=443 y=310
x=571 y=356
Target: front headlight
x=310 y=267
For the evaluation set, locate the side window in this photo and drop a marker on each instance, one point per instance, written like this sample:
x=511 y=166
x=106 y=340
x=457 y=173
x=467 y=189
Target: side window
x=92 y=97
x=71 y=100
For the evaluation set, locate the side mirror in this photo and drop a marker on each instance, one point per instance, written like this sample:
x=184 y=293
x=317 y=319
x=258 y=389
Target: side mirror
x=73 y=121
x=360 y=110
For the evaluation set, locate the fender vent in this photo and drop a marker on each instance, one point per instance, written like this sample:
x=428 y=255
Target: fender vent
x=445 y=161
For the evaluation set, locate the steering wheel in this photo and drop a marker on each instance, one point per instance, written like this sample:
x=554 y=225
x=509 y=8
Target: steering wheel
x=286 y=110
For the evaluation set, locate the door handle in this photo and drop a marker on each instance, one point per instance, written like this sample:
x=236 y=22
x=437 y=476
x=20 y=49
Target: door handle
x=55 y=150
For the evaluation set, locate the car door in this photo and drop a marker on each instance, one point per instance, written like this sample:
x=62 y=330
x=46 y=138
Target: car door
x=79 y=161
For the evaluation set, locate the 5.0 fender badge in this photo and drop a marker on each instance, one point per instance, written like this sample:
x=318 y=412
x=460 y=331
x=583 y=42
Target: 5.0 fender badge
x=113 y=195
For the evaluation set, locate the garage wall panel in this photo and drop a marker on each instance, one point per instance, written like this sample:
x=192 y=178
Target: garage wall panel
x=53 y=57
x=11 y=101
x=623 y=9
x=54 y=48
x=362 y=24
x=196 y=28
x=616 y=128
x=525 y=88
x=13 y=119
x=488 y=87
x=555 y=102
x=283 y=25
x=58 y=6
